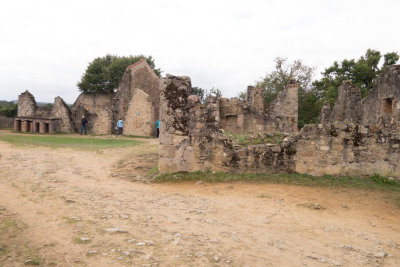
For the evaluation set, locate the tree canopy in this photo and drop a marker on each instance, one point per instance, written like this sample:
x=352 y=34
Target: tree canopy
x=361 y=72
x=8 y=108
x=312 y=93
x=103 y=74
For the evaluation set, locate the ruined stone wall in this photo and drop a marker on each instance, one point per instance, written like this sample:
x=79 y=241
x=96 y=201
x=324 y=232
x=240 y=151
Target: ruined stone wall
x=27 y=105
x=282 y=113
x=347 y=107
x=98 y=110
x=62 y=111
x=251 y=116
x=191 y=138
x=347 y=149
x=381 y=107
x=139 y=115
x=6 y=122
x=138 y=76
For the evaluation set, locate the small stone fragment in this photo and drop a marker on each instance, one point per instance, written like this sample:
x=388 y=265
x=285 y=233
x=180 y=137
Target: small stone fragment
x=380 y=254
x=115 y=230
x=124 y=216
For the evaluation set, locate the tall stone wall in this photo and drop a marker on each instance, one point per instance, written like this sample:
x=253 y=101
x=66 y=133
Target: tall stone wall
x=62 y=111
x=97 y=108
x=282 y=113
x=381 y=107
x=138 y=76
x=27 y=105
x=347 y=107
x=139 y=115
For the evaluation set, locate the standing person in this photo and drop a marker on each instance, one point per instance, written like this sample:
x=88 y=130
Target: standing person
x=158 y=128
x=84 y=122
x=120 y=126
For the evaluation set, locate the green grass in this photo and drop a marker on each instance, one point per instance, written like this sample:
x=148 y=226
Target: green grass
x=374 y=182
x=66 y=141
x=255 y=139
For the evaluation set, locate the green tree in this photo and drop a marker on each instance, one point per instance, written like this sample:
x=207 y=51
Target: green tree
x=104 y=73
x=200 y=92
x=8 y=109
x=204 y=93
x=362 y=73
x=277 y=80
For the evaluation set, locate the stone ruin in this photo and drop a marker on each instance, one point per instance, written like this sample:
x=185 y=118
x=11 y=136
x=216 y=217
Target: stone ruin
x=136 y=100
x=357 y=137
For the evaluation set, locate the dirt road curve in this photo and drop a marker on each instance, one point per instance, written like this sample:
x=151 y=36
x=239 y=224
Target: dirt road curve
x=81 y=208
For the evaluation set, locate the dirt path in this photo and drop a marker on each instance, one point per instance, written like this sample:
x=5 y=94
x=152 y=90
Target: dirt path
x=68 y=199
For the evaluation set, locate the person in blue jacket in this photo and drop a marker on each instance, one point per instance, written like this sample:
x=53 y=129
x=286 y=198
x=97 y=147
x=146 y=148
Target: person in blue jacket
x=158 y=128
x=120 y=126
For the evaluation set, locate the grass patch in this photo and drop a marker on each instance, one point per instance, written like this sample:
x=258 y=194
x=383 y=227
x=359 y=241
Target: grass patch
x=136 y=136
x=256 y=139
x=14 y=249
x=293 y=178
x=67 y=141
x=153 y=171
x=79 y=240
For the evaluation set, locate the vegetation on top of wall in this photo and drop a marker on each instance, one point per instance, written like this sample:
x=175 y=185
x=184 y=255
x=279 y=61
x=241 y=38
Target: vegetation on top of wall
x=204 y=93
x=103 y=74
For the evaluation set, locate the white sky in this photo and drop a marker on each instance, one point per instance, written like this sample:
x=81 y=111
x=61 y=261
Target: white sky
x=45 y=46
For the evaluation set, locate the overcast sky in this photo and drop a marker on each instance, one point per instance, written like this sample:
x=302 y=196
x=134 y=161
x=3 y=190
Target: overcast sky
x=45 y=46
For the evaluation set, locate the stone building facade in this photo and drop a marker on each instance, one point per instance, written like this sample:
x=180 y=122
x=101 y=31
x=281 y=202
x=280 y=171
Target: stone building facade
x=136 y=101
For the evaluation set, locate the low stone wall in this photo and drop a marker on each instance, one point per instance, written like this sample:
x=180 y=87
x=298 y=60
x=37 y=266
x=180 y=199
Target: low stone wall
x=347 y=149
x=6 y=122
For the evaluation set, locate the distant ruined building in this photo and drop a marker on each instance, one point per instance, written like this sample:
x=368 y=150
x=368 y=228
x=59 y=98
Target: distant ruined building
x=136 y=101
x=356 y=137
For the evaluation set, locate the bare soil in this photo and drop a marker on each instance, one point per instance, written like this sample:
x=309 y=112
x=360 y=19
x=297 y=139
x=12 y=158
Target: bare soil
x=65 y=200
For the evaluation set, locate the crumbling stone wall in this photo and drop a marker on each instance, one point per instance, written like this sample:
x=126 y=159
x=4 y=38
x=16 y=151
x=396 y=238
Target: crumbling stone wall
x=138 y=76
x=282 y=113
x=140 y=115
x=62 y=111
x=97 y=108
x=191 y=137
x=347 y=149
x=27 y=104
x=252 y=116
x=347 y=107
x=381 y=107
